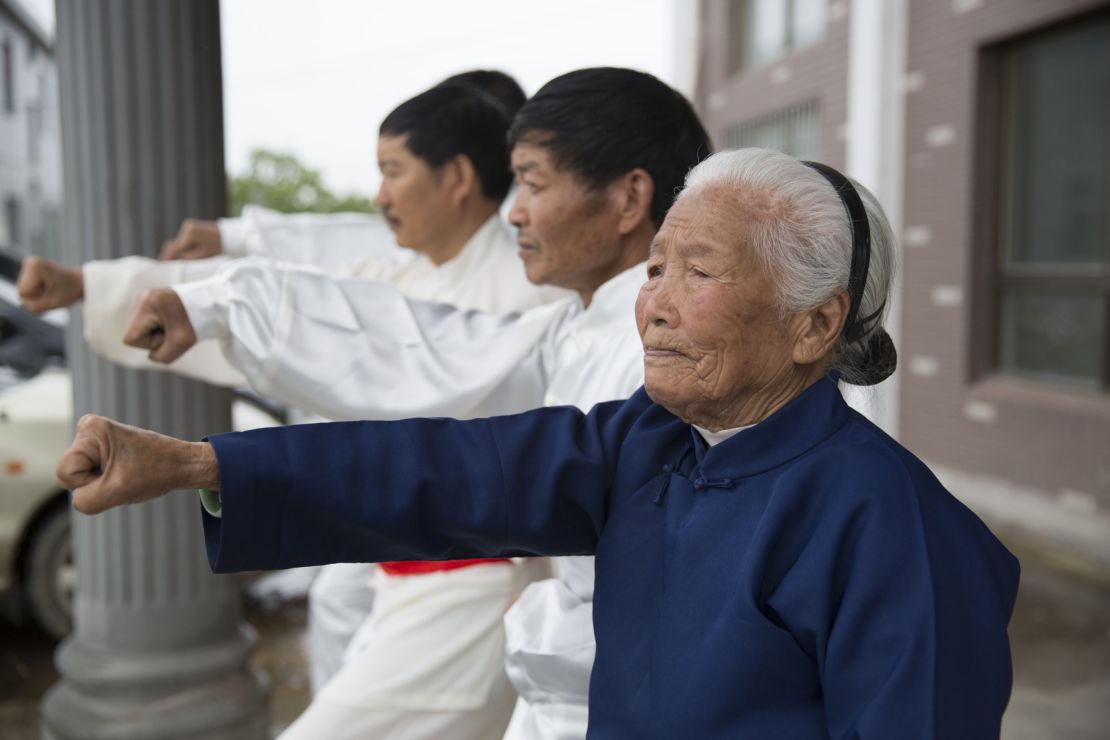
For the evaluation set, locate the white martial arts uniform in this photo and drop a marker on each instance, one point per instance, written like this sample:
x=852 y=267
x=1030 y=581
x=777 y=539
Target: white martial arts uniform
x=406 y=358
x=363 y=698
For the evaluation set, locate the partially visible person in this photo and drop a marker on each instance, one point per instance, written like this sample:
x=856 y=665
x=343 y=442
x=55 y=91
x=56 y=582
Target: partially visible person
x=329 y=241
x=431 y=653
x=598 y=155
x=770 y=564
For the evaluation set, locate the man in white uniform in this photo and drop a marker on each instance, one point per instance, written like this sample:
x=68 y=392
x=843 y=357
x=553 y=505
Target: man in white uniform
x=445 y=171
x=598 y=155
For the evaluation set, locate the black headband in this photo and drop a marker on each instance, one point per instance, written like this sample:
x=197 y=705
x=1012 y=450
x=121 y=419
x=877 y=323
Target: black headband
x=854 y=328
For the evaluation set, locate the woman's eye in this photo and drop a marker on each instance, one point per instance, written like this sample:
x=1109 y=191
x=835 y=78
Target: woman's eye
x=654 y=271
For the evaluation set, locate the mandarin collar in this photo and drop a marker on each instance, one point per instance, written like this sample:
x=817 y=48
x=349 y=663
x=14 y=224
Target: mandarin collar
x=485 y=235
x=806 y=421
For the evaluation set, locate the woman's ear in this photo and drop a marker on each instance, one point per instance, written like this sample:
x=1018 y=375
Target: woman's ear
x=819 y=328
x=635 y=191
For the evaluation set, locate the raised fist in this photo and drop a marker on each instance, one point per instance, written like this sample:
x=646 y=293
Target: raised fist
x=195 y=240
x=111 y=464
x=160 y=324
x=44 y=285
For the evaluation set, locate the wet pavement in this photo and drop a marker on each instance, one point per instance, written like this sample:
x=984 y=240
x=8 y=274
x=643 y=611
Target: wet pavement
x=1060 y=634
x=27 y=668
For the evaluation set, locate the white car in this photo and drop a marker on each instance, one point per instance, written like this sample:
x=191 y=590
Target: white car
x=35 y=552
x=36 y=557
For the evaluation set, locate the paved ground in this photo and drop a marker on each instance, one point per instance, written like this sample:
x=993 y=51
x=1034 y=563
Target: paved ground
x=1060 y=635
x=27 y=669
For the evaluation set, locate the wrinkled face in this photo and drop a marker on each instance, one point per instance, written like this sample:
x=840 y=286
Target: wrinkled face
x=567 y=232
x=715 y=342
x=412 y=197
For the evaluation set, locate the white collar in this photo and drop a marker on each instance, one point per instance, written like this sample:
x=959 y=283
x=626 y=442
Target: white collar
x=715 y=438
x=612 y=295
x=486 y=235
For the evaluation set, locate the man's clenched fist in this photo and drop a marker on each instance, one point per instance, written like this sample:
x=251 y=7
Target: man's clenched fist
x=160 y=324
x=111 y=464
x=44 y=285
x=195 y=240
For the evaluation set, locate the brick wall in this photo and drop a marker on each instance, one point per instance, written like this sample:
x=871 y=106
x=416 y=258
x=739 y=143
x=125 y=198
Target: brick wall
x=819 y=71
x=954 y=410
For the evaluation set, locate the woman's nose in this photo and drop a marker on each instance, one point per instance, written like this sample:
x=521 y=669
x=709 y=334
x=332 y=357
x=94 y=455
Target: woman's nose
x=657 y=302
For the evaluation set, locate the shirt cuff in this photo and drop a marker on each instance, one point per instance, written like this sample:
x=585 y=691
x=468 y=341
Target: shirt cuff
x=211 y=502
x=206 y=305
x=234 y=234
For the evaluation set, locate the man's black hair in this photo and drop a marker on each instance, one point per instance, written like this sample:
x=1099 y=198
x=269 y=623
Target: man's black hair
x=504 y=88
x=600 y=123
x=452 y=119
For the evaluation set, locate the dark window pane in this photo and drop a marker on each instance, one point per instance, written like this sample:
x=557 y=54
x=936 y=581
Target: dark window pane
x=1053 y=335
x=1059 y=146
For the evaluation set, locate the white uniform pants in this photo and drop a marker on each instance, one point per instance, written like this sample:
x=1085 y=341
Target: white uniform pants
x=549 y=642
x=339 y=601
x=427 y=664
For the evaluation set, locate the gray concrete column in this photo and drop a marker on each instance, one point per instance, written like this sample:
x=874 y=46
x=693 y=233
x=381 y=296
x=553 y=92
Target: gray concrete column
x=158 y=649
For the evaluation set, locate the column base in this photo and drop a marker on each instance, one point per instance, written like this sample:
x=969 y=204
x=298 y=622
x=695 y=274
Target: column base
x=208 y=693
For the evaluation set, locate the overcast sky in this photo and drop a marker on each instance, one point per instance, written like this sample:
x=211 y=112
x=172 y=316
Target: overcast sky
x=316 y=78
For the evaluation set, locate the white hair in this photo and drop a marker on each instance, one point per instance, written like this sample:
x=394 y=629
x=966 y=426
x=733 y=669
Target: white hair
x=800 y=230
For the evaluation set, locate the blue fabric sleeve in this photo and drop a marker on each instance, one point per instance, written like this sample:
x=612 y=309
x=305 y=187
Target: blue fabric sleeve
x=422 y=489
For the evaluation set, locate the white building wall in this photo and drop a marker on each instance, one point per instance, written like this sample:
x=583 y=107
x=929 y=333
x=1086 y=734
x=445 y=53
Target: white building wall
x=30 y=144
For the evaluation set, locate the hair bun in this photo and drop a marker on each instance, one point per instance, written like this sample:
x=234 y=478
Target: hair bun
x=878 y=359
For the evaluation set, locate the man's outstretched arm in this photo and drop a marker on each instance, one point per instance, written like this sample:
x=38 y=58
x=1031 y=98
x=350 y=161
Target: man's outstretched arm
x=109 y=289
x=331 y=241
x=349 y=349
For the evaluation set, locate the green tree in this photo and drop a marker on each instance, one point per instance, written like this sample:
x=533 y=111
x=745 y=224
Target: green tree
x=280 y=181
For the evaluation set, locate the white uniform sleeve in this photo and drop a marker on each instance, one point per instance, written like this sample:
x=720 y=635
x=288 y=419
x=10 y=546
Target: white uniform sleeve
x=331 y=241
x=349 y=349
x=234 y=235
x=111 y=289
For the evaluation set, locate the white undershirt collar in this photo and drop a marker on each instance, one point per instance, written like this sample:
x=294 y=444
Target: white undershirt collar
x=715 y=438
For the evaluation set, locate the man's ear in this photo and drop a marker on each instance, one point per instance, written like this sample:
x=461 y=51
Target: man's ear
x=459 y=178
x=634 y=191
x=819 y=328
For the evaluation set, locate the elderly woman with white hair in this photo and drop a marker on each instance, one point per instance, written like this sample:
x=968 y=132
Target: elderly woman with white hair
x=769 y=563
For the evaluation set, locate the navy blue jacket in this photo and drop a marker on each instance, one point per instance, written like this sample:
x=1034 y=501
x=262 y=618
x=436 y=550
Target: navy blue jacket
x=806 y=578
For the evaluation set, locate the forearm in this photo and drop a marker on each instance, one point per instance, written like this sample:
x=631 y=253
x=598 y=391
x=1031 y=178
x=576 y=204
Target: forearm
x=197 y=467
x=348 y=349
x=111 y=290
x=531 y=484
x=328 y=241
